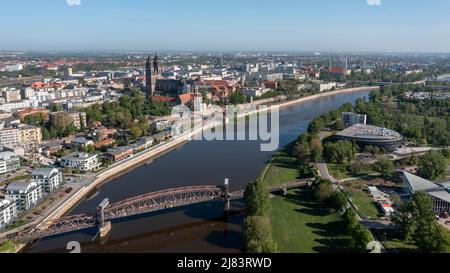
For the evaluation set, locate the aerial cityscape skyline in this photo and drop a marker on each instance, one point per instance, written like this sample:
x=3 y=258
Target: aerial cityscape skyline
x=225 y=127
x=324 y=25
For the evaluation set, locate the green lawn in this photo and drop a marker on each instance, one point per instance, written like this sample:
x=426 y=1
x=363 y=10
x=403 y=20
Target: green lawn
x=301 y=225
x=282 y=169
x=396 y=245
x=338 y=171
x=341 y=171
x=8 y=247
x=362 y=200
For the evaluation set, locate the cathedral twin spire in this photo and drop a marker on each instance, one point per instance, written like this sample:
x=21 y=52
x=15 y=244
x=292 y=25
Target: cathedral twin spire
x=151 y=72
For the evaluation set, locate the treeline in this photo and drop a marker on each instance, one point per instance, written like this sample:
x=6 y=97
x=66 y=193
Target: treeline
x=128 y=113
x=422 y=122
x=257 y=225
x=415 y=220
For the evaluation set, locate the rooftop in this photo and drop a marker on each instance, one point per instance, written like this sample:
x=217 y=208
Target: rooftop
x=417 y=183
x=368 y=131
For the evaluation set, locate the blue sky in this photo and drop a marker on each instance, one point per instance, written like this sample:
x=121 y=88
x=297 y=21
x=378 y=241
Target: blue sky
x=295 y=25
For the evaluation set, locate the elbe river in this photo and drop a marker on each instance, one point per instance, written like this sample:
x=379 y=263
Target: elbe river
x=198 y=228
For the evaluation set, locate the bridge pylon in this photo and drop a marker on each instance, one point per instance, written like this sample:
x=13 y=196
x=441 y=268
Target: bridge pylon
x=103 y=226
x=227 y=199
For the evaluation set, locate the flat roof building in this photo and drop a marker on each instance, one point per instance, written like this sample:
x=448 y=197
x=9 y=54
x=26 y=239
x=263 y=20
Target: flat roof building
x=81 y=161
x=439 y=194
x=365 y=135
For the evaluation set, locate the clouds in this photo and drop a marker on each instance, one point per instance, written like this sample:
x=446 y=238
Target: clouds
x=73 y=2
x=374 y=2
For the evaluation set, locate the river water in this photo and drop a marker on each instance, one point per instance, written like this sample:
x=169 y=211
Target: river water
x=197 y=228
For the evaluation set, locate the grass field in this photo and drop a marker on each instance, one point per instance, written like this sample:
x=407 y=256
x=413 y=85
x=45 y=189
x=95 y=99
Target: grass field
x=342 y=171
x=301 y=225
x=396 y=245
x=8 y=247
x=282 y=169
x=362 y=200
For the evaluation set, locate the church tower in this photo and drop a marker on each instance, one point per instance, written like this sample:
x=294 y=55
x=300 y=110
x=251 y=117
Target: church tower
x=150 y=77
x=156 y=70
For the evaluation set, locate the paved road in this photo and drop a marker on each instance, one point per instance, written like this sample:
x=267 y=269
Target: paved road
x=323 y=172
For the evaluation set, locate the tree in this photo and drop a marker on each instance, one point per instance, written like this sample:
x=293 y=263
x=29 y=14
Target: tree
x=424 y=218
x=350 y=219
x=361 y=237
x=433 y=165
x=404 y=221
x=436 y=240
x=323 y=191
x=257 y=201
x=338 y=201
x=385 y=167
x=316 y=126
x=238 y=98
x=136 y=132
x=258 y=235
x=339 y=152
x=316 y=148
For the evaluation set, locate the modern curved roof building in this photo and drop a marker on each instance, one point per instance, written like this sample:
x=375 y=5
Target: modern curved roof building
x=365 y=135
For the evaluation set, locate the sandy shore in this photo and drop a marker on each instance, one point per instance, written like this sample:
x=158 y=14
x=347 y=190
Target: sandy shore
x=144 y=157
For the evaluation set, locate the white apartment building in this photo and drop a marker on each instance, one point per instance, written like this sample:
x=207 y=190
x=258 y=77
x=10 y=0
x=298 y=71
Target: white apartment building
x=81 y=161
x=9 y=162
x=49 y=179
x=8 y=212
x=25 y=194
x=323 y=87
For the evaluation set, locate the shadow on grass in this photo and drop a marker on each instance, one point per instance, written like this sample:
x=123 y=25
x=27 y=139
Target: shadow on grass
x=333 y=234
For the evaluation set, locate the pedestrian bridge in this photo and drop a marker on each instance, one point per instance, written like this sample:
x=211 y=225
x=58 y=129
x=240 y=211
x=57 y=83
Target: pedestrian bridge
x=146 y=203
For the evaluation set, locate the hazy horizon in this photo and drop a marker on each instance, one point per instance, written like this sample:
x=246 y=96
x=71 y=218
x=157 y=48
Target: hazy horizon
x=329 y=26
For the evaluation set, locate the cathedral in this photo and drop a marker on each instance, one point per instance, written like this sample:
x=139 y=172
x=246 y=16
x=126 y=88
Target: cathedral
x=155 y=85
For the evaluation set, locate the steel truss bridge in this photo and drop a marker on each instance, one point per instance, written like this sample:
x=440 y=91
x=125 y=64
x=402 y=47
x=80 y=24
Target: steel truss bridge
x=147 y=203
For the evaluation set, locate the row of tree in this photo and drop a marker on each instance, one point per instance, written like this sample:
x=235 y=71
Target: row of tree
x=257 y=226
x=361 y=236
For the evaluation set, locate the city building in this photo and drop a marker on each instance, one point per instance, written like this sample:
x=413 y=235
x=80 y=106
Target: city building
x=81 y=143
x=351 y=119
x=439 y=194
x=119 y=153
x=33 y=112
x=8 y=212
x=156 y=85
x=11 y=95
x=81 y=161
x=49 y=179
x=30 y=134
x=9 y=162
x=20 y=135
x=25 y=194
x=78 y=119
x=323 y=87
x=365 y=135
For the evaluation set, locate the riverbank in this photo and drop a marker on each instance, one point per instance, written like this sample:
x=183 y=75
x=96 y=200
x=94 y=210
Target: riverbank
x=125 y=166
x=140 y=159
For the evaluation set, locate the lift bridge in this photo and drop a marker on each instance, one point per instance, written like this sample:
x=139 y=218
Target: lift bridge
x=147 y=203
